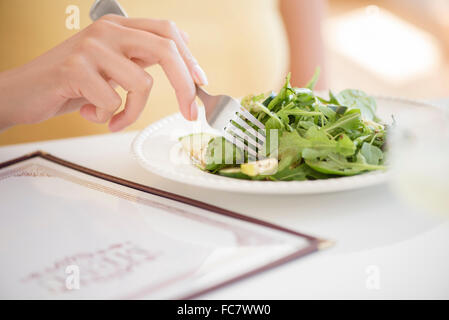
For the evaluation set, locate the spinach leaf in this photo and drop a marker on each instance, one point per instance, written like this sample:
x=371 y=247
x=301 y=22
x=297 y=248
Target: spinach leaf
x=291 y=145
x=372 y=154
x=289 y=174
x=357 y=99
x=320 y=145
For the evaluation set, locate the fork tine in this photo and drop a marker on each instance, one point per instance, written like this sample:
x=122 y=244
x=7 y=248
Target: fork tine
x=251 y=130
x=251 y=118
x=234 y=140
x=239 y=133
x=242 y=140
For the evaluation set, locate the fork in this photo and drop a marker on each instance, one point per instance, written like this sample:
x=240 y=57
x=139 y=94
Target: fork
x=103 y=7
x=227 y=115
x=223 y=113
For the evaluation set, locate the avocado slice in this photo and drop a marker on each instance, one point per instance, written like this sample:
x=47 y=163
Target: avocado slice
x=233 y=172
x=195 y=145
x=261 y=167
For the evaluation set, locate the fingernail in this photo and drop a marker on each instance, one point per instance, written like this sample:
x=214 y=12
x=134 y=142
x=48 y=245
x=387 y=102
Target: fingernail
x=193 y=111
x=199 y=75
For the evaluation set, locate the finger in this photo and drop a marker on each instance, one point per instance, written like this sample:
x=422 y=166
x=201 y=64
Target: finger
x=89 y=112
x=130 y=77
x=167 y=29
x=72 y=105
x=100 y=94
x=174 y=67
x=150 y=47
x=133 y=108
x=185 y=36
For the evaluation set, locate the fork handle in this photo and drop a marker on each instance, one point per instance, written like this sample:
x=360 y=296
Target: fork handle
x=103 y=7
x=203 y=95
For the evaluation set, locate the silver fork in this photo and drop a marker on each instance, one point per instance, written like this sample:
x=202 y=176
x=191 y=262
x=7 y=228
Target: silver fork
x=226 y=114
x=223 y=113
x=104 y=7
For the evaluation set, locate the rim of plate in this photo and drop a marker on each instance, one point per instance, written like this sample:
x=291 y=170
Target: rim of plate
x=248 y=186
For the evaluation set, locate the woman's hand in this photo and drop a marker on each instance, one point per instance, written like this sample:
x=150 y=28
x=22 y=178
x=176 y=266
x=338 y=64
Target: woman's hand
x=81 y=73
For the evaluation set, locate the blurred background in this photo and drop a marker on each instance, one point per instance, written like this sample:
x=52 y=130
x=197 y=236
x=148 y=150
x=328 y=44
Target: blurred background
x=388 y=47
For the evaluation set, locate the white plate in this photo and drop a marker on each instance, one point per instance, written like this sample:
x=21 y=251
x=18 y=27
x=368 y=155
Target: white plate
x=157 y=150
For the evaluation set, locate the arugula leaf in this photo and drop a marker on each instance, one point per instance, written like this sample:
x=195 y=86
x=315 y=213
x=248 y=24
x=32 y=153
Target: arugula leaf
x=270 y=96
x=283 y=94
x=299 y=173
x=272 y=115
x=339 y=165
x=349 y=121
x=345 y=146
x=272 y=126
x=316 y=138
x=330 y=114
x=311 y=84
x=340 y=110
x=304 y=97
x=332 y=98
x=221 y=153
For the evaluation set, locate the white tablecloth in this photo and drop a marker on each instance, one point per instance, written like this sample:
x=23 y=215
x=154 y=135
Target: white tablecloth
x=383 y=248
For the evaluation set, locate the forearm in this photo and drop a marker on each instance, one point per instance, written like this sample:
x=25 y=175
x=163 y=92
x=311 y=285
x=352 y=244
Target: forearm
x=302 y=19
x=8 y=98
x=26 y=93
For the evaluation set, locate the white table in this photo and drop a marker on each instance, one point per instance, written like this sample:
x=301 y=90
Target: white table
x=383 y=248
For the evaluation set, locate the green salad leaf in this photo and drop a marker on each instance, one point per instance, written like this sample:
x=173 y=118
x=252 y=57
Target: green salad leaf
x=307 y=137
x=356 y=99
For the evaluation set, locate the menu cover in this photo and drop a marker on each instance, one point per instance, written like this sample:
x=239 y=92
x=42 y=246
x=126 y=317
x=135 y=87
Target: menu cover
x=69 y=232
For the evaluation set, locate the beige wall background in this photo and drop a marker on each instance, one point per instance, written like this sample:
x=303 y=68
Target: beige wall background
x=240 y=44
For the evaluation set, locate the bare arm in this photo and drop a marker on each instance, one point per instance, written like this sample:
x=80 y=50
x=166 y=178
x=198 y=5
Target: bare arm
x=302 y=20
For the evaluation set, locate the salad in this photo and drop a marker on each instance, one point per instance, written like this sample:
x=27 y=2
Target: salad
x=314 y=138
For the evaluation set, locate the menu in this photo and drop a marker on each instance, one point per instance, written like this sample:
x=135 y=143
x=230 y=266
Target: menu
x=68 y=232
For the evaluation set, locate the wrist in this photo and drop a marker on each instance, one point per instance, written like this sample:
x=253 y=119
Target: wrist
x=6 y=107
x=27 y=94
